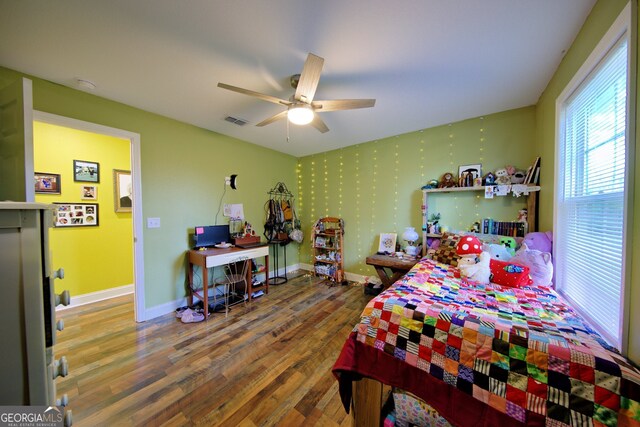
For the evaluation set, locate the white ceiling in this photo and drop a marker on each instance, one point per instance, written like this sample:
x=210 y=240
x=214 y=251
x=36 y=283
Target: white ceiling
x=427 y=62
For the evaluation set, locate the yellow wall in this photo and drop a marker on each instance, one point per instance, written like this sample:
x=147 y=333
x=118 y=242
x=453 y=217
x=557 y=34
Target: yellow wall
x=94 y=258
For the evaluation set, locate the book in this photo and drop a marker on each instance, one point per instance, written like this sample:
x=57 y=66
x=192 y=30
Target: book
x=529 y=179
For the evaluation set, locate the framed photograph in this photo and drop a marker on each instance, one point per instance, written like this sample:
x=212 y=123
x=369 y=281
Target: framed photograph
x=47 y=183
x=387 y=242
x=84 y=171
x=76 y=214
x=467 y=174
x=122 y=190
x=89 y=192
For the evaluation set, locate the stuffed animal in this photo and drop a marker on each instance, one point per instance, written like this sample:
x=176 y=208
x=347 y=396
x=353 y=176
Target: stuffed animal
x=431 y=184
x=481 y=272
x=502 y=177
x=447 y=181
x=541 y=241
x=517 y=177
x=496 y=251
x=509 y=243
x=539 y=263
x=468 y=249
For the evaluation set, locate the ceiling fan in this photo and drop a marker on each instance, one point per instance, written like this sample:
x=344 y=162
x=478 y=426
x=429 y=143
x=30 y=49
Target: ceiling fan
x=301 y=108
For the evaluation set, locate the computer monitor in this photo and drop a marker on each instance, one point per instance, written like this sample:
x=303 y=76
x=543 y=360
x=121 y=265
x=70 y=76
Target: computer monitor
x=210 y=235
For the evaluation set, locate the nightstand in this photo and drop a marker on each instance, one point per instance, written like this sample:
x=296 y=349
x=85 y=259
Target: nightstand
x=397 y=266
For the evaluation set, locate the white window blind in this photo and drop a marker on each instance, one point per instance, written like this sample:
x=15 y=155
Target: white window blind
x=591 y=194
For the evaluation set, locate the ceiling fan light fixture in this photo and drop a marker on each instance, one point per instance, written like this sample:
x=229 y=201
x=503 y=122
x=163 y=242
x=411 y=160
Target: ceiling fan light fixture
x=300 y=114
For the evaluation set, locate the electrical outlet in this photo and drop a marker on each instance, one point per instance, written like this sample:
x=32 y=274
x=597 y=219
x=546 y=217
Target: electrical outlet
x=153 y=222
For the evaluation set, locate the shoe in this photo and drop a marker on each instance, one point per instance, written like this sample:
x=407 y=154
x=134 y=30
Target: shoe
x=190 y=316
x=181 y=310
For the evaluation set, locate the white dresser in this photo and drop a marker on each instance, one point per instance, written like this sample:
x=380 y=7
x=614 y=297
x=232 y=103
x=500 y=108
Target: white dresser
x=27 y=318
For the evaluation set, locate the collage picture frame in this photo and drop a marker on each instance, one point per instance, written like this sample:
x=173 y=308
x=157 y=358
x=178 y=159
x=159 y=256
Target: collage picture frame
x=76 y=214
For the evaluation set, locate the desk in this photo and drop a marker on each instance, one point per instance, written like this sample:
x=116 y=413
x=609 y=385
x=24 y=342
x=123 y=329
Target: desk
x=398 y=267
x=217 y=257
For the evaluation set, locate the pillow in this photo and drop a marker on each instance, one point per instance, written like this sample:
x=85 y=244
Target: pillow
x=509 y=274
x=412 y=410
x=446 y=252
x=539 y=264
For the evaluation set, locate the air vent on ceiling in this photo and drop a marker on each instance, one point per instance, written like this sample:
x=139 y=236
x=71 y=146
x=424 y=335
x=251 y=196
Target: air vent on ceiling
x=234 y=120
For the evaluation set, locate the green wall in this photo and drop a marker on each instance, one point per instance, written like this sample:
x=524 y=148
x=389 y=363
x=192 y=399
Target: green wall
x=183 y=169
x=375 y=186
x=600 y=19
x=87 y=254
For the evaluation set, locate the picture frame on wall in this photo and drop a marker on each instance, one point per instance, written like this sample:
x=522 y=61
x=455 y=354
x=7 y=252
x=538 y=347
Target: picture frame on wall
x=89 y=192
x=85 y=171
x=47 y=183
x=122 y=189
x=76 y=215
x=467 y=174
x=387 y=242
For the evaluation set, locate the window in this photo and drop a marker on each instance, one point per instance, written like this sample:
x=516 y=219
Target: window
x=591 y=181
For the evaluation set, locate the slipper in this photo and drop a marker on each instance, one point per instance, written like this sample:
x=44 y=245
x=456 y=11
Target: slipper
x=190 y=316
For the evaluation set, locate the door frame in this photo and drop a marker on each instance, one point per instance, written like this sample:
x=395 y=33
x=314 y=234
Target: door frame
x=134 y=138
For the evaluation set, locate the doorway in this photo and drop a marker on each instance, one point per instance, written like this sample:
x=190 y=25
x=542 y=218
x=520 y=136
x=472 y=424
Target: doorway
x=136 y=210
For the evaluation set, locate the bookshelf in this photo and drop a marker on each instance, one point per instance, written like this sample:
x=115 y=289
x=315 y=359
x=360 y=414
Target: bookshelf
x=328 y=256
x=532 y=202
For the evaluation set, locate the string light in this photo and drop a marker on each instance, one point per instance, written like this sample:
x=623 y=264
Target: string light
x=326 y=187
x=358 y=240
x=395 y=189
x=373 y=187
x=340 y=186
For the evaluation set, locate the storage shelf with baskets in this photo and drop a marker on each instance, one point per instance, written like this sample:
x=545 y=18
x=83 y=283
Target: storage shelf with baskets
x=327 y=244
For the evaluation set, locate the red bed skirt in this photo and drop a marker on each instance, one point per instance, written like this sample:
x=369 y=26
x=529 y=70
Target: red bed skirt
x=358 y=360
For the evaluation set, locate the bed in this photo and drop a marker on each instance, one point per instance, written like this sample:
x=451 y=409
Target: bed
x=485 y=355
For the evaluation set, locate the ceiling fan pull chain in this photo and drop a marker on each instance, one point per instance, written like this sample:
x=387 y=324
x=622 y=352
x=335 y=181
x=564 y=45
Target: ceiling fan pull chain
x=287 y=131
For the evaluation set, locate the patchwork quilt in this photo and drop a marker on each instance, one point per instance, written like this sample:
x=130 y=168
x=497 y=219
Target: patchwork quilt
x=489 y=355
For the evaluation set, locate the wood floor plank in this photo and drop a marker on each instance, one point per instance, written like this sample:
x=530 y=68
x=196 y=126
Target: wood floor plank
x=266 y=364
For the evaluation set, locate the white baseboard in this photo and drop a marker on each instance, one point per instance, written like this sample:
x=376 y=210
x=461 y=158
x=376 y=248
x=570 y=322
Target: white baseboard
x=169 y=307
x=78 y=300
x=353 y=277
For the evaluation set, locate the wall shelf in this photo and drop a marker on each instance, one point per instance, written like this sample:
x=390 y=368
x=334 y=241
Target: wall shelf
x=532 y=201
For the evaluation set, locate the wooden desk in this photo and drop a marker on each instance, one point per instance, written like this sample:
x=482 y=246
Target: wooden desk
x=217 y=257
x=398 y=267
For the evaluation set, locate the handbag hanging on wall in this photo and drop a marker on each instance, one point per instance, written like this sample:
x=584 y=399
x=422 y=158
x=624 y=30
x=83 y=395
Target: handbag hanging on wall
x=280 y=218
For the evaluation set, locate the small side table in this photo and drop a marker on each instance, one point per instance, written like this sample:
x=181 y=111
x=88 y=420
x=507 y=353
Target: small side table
x=398 y=267
x=275 y=279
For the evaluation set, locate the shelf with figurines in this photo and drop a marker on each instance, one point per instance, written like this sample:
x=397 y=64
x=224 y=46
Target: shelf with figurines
x=503 y=181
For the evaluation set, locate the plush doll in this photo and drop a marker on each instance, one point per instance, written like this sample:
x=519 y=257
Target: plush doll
x=539 y=263
x=502 y=177
x=541 y=241
x=496 y=251
x=517 y=177
x=473 y=263
x=447 y=181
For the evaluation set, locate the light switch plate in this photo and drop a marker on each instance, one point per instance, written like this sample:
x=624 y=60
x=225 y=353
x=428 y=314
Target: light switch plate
x=153 y=222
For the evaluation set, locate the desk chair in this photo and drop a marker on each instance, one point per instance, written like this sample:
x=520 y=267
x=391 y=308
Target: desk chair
x=235 y=273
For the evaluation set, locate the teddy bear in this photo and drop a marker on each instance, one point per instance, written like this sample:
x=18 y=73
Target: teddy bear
x=502 y=177
x=447 y=181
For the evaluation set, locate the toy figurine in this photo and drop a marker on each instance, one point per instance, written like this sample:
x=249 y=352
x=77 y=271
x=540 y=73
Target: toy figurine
x=447 y=181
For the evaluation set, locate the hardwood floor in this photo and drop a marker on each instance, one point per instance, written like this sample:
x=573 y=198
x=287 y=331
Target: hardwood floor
x=267 y=365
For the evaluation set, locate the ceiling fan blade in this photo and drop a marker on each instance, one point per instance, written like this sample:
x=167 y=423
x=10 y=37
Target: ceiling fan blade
x=272 y=119
x=309 y=78
x=342 y=104
x=256 y=94
x=319 y=124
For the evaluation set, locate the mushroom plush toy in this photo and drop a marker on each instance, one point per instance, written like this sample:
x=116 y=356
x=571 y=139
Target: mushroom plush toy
x=473 y=263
